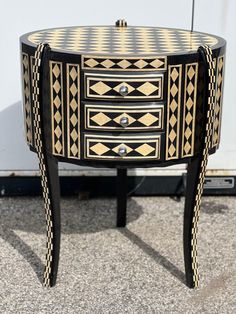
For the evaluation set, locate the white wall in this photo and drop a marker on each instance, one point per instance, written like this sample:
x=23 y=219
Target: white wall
x=219 y=17
x=18 y=17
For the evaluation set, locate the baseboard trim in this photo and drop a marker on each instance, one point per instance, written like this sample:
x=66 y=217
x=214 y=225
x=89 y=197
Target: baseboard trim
x=96 y=186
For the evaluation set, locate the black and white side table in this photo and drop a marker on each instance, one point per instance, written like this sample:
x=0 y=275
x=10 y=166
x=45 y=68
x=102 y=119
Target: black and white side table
x=122 y=97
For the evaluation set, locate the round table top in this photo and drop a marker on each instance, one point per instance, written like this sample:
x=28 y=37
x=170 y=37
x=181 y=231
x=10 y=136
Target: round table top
x=130 y=40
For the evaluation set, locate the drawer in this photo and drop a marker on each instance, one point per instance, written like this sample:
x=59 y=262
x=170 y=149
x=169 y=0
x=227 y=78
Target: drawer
x=129 y=87
x=122 y=147
x=123 y=117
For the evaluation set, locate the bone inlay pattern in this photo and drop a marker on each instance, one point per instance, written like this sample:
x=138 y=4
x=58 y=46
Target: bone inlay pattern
x=124 y=64
x=27 y=98
x=138 y=88
x=107 y=147
x=42 y=164
x=121 y=41
x=173 y=111
x=57 y=110
x=138 y=118
x=190 y=98
x=218 y=104
x=73 y=113
x=205 y=154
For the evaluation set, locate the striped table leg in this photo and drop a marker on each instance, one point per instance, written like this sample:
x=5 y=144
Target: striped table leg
x=49 y=174
x=196 y=178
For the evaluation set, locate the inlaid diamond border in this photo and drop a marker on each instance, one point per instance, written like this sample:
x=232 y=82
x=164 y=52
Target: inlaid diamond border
x=90 y=108
x=155 y=80
x=57 y=108
x=73 y=110
x=218 y=101
x=27 y=98
x=173 y=111
x=189 y=112
x=123 y=140
x=108 y=63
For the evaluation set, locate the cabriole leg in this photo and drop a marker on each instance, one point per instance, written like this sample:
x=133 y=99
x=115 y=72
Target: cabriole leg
x=196 y=177
x=51 y=196
x=48 y=171
x=191 y=217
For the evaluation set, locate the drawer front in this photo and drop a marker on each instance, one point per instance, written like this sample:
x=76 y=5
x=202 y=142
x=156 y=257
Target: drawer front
x=118 y=118
x=122 y=147
x=129 y=87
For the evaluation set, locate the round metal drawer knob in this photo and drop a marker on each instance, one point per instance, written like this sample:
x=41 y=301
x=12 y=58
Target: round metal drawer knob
x=124 y=121
x=122 y=151
x=123 y=90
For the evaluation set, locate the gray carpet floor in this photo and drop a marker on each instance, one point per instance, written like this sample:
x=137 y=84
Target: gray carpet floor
x=138 y=269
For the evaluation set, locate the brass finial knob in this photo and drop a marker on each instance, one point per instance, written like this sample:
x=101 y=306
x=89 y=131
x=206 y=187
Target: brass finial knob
x=121 y=23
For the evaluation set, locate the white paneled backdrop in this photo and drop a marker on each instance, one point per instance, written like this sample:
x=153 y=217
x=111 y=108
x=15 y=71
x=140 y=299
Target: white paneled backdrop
x=18 y=17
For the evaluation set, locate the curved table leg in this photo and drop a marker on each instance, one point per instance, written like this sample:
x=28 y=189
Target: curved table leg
x=48 y=171
x=51 y=196
x=196 y=176
x=191 y=217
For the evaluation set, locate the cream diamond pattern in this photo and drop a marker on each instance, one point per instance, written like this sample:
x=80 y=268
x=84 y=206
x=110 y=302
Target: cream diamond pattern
x=189 y=115
x=157 y=63
x=189 y=118
x=56 y=70
x=73 y=89
x=147 y=88
x=173 y=120
x=101 y=118
x=99 y=149
x=57 y=86
x=174 y=90
x=107 y=63
x=74 y=150
x=58 y=147
x=57 y=117
x=190 y=88
x=91 y=63
x=187 y=133
x=173 y=108
x=171 y=150
x=148 y=119
x=172 y=135
x=174 y=74
x=28 y=124
x=187 y=148
x=191 y=72
x=73 y=113
x=124 y=64
x=100 y=88
x=141 y=64
x=144 y=149
x=57 y=102
x=58 y=132
x=73 y=120
x=57 y=109
x=73 y=73
x=74 y=135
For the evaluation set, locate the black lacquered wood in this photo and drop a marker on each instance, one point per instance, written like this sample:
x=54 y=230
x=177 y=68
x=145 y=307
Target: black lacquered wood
x=54 y=187
x=193 y=171
x=88 y=90
x=121 y=197
x=53 y=221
